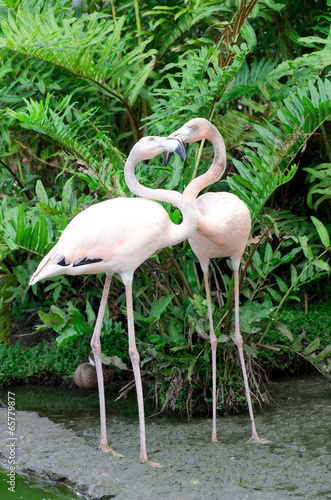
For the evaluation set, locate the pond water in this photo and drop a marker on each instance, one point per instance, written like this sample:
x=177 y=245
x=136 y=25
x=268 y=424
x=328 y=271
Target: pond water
x=31 y=489
x=295 y=465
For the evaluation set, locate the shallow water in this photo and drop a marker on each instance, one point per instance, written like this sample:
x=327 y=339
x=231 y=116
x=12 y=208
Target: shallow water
x=295 y=465
x=32 y=489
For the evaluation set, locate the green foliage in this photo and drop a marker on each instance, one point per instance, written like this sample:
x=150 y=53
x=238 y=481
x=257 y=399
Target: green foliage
x=90 y=47
x=320 y=191
x=267 y=162
x=78 y=86
x=18 y=363
x=299 y=333
x=51 y=361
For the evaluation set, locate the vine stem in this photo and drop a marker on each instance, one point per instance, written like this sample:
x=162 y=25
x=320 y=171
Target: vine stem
x=144 y=110
x=138 y=21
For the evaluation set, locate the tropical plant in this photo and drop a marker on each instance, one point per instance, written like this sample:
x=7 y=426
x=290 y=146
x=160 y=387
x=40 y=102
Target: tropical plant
x=80 y=84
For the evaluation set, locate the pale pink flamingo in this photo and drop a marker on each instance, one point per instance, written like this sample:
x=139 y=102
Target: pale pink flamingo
x=223 y=229
x=116 y=236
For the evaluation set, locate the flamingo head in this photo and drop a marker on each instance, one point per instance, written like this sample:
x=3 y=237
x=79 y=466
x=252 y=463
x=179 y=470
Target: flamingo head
x=194 y=130
x=151 y=146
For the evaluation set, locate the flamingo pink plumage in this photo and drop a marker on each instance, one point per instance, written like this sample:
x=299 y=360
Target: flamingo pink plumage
x=116 y=236
x=223 y=230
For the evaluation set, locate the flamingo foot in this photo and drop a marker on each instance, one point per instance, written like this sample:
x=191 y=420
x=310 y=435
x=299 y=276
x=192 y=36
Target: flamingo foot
x=107 y=449
x=256 y=439
x=152 y=464
x=215 y=440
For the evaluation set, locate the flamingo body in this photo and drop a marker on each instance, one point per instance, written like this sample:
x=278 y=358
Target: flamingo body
x=223 y=210
x=113 y=236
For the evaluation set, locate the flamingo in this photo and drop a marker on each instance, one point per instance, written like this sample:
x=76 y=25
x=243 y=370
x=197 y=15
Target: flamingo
x=116 y=236
x=223 y=229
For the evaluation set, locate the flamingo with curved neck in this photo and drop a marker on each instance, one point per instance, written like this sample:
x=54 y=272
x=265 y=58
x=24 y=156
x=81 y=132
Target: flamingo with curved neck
x=116 y=236
x=223 y=230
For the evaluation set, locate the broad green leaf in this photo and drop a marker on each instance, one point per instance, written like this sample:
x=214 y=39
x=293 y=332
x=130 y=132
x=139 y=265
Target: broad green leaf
x=294 y=275
x=322 y=264
x=268 y=253
x=281 y=283
x=41 y=192
x=51 y=320
x=201 y=331
x=43 y=233
x=175 y=332
x=284 y=330
x=312 y=346
x=89 y=313
x=305 y=247
x=159 y=306
x=67 y=335
x=113 y=360
x=223 y=338
x=322 y=231
x=274 y=294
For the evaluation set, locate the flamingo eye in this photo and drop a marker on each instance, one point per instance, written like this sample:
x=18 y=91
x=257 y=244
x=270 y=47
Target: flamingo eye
x=194 y=128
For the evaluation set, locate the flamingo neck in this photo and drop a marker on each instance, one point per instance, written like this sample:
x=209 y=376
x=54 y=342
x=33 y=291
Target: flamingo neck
x=178 y=232
x=215 y=171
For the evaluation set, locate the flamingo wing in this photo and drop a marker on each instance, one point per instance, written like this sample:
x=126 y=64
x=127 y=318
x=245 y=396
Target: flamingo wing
x=113 y=236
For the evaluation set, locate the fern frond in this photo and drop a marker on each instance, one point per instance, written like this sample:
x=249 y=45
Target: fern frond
x=40 y=117
x=90 y=47
x=77 y=133
x=196 y=86
x=178 y=20
x=315 y=61
x=268 y=163
x=249 y=79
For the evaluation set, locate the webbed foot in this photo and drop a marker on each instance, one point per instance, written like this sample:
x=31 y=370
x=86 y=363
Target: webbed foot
x=107 y=449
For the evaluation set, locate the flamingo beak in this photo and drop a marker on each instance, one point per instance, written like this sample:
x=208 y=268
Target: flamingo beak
x=181 y=134
x=172 y=145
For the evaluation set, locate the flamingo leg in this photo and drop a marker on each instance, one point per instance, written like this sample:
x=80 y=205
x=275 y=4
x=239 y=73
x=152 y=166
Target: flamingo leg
x=135 y=360
x=213 y=343
x=239 y=342
x=96 y=348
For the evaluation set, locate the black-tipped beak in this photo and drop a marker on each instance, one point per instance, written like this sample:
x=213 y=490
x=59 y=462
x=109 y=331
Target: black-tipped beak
x=166 y=157
x=180 y=150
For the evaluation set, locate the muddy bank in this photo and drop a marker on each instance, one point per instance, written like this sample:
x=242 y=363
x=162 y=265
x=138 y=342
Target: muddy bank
x=295 y=465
